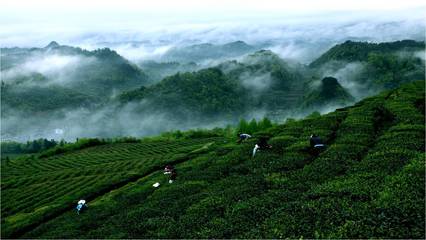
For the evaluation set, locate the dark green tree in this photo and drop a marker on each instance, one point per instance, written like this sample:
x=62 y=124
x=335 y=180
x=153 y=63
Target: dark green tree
x=243 y=126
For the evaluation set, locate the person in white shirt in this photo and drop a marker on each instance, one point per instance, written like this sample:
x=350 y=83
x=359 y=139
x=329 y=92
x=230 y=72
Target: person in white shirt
x=243 y=137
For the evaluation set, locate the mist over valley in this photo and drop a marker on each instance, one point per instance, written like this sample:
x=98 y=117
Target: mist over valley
x=65 y=92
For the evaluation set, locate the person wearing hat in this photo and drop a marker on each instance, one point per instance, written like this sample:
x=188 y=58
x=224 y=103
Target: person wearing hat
x=316 y=142
x=242 y=137
x=81 y=205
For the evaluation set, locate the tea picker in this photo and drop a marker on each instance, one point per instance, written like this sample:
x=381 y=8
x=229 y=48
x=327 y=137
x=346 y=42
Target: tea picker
x=316 y=142
x=169 y=169
x=262 y=144
x=243 y=137
x=80 y=206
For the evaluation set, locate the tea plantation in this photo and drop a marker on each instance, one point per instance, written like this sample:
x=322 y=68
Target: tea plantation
x=368 y=183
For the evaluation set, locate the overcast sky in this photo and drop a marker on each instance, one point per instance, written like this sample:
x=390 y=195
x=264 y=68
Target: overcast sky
x=22 y=21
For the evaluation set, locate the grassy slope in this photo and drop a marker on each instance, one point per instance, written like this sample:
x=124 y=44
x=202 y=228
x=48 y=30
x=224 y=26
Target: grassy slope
x=368 y=183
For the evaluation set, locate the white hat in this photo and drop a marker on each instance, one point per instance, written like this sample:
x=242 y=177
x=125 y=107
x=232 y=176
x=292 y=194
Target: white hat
x=156 y=184
x=82 y=202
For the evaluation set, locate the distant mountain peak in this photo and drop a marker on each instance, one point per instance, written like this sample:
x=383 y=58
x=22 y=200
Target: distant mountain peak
x=330 y=92
x=239 y=42
x=52 y=44
x=264 y=53
x=332 y=89
x=328 y=82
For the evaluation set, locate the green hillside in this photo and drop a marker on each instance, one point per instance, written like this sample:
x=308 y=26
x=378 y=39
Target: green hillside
x=97 y=72
x=360 y=51
x=272 y=83
x=330 y=92
x=37 y=99
x=58 y=83
x=261 y=81
x=380 y=66
x=368 y=183
x=207 y=93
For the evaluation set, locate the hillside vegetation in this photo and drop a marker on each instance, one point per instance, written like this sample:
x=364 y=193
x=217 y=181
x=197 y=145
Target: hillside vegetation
x=231 y=90
x=330 y=92
x=32 y=81
x=101 y=94
x=360 y=51
x=375 y=65
x=263 y=81
x=206 y=93
x=368 y=183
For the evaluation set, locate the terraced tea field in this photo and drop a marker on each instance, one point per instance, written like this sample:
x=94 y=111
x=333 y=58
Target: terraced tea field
x=368 y=183
x=34 y=188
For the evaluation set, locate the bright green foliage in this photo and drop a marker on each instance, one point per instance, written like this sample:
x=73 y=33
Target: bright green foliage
x=253 y=126
x=243 y=126
x=367 y=183
x=35 y=188
x=265 y=123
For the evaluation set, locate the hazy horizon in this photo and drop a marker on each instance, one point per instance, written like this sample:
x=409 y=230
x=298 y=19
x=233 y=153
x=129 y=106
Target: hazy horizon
x=83 y=23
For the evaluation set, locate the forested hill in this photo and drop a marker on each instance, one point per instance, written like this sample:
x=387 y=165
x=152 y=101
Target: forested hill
x=97 y=72
x=367 y=183
x=359 y=51
x=261 y=81
x=330 y=92
x=371 y=67
x=68 y=88
x=264 y=82
x=58 y=78
x=207 y=92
